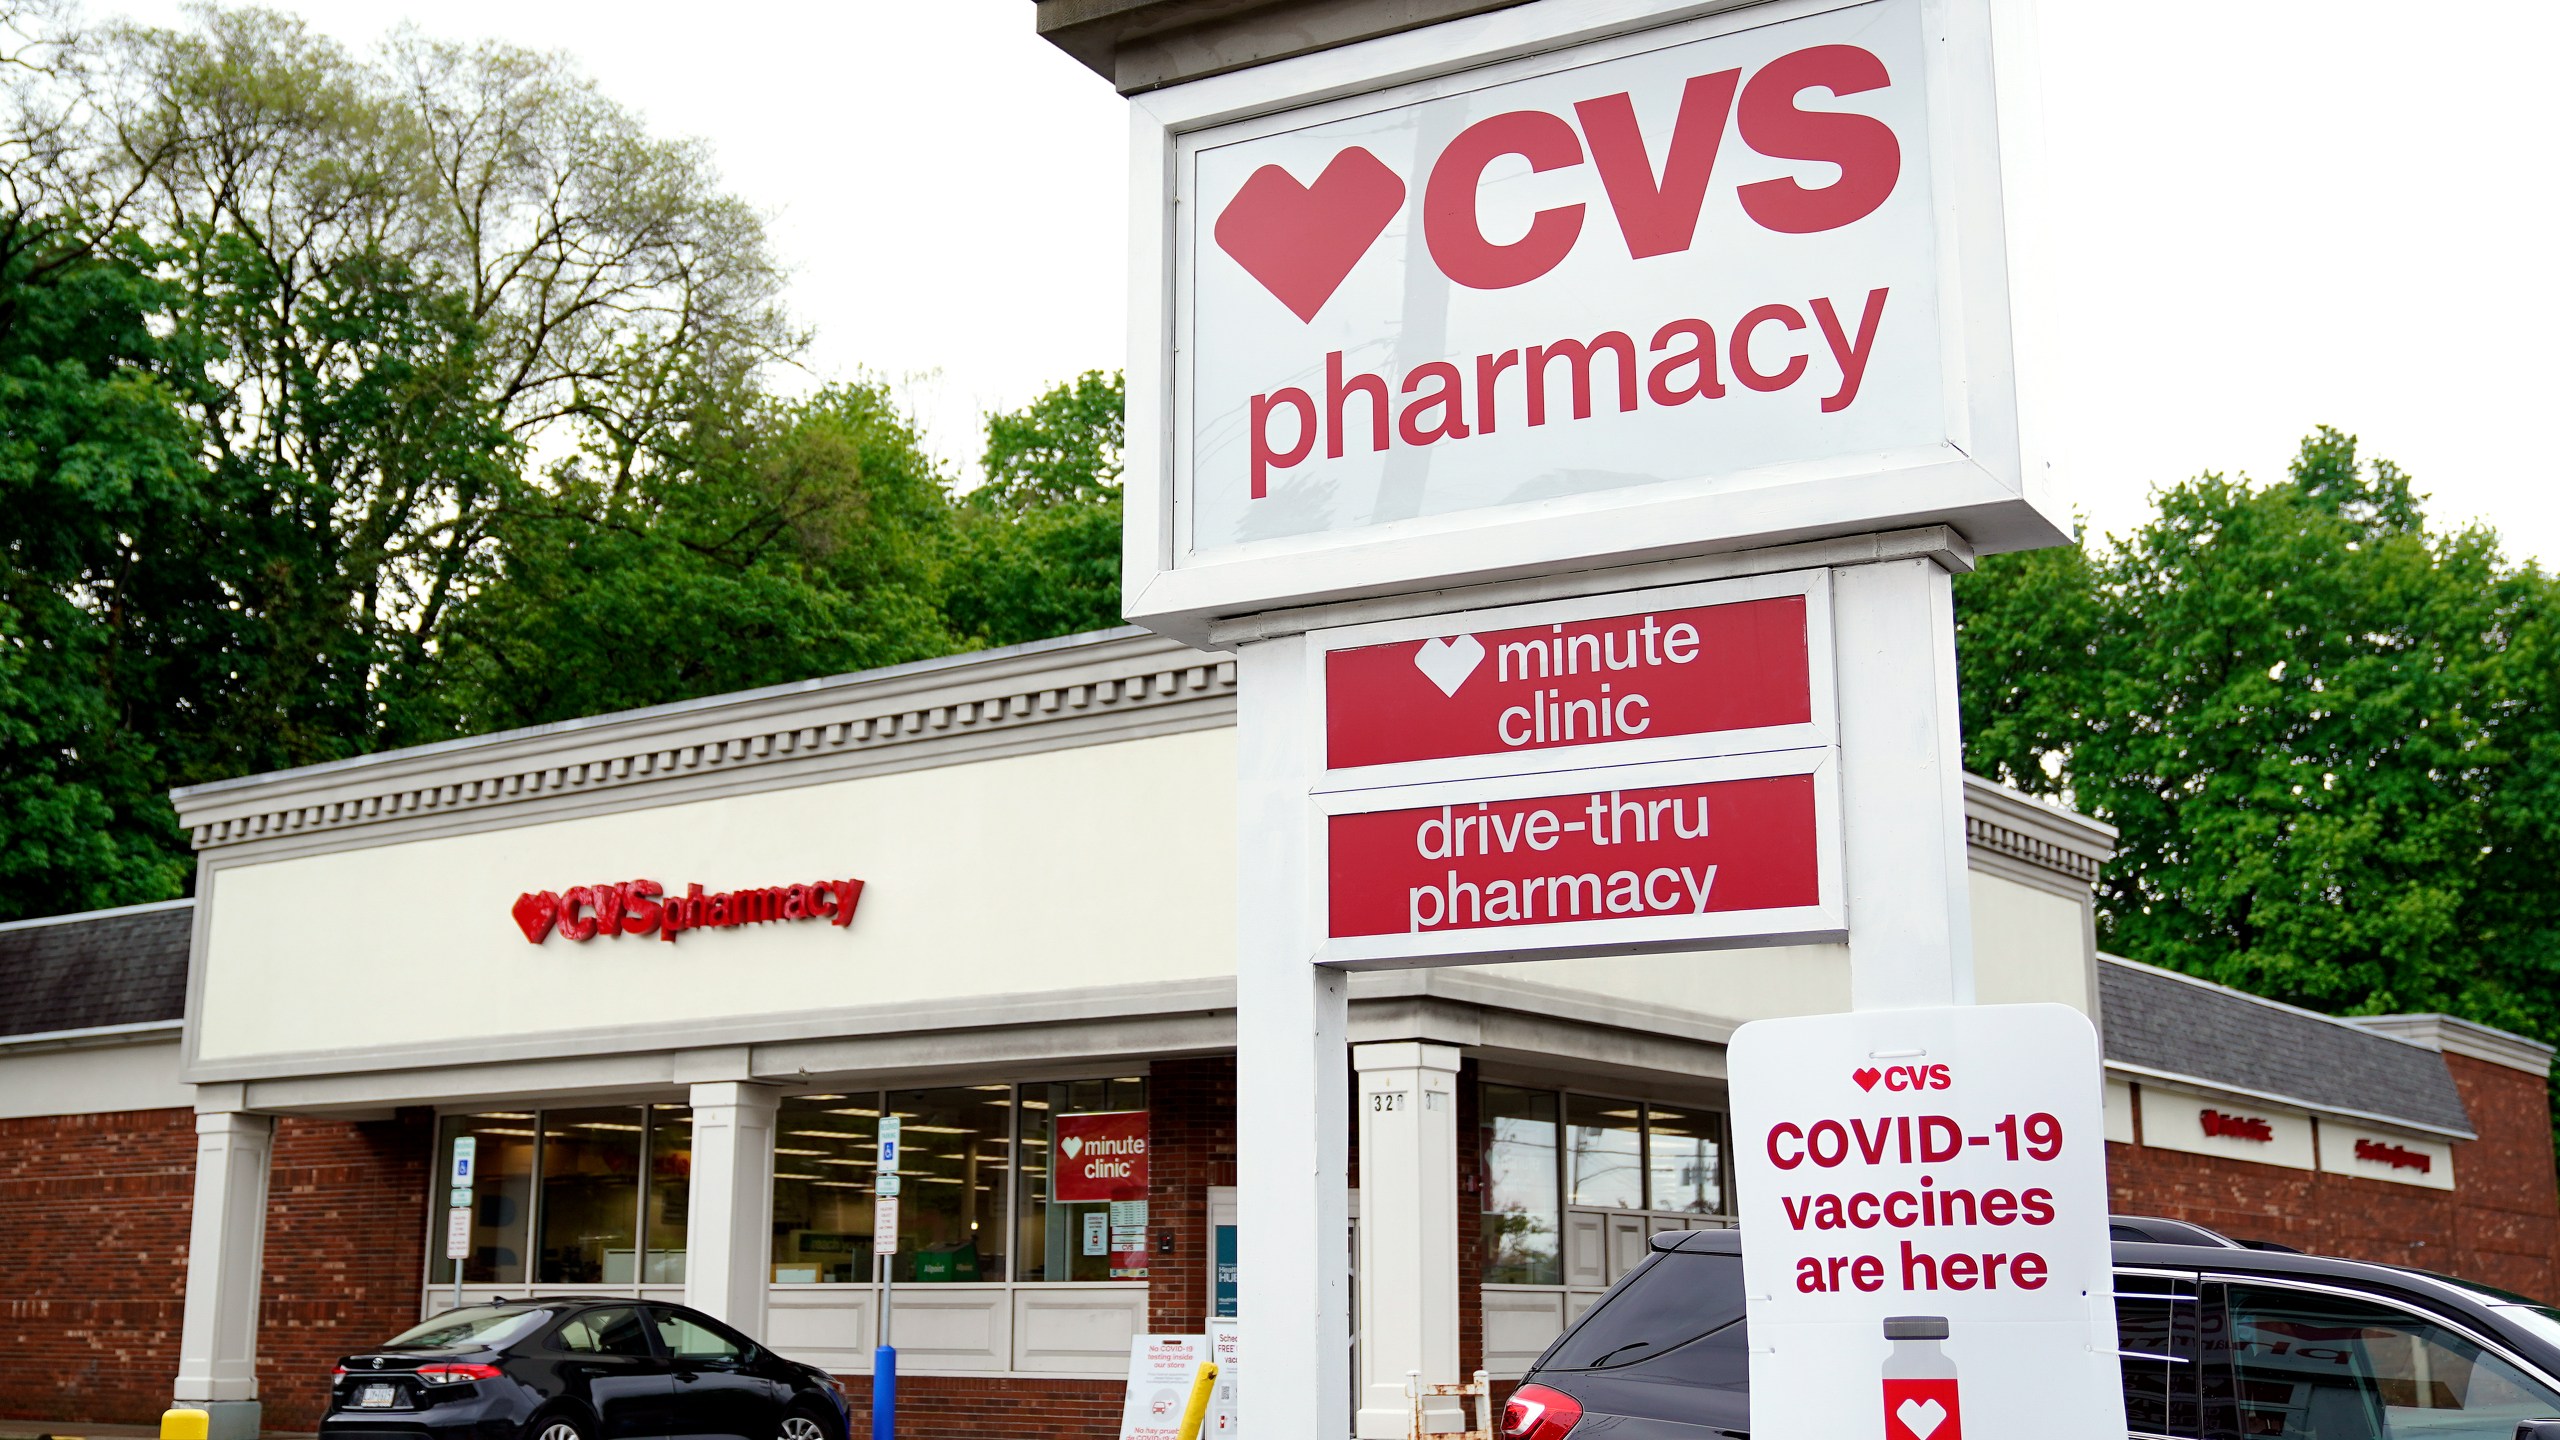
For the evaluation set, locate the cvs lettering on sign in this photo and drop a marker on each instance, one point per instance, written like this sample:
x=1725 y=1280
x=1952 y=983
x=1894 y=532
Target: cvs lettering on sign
x=1707 y=257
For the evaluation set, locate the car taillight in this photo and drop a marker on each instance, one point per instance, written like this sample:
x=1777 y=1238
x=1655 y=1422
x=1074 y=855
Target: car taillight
x=456 y=1374
x=1536 y=1412
x=340 y=1373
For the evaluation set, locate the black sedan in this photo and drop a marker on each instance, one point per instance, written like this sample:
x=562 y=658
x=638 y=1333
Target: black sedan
x=2212 y=1337
x=580 y=1368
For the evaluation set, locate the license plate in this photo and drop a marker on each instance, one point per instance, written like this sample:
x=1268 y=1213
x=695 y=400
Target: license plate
x=376 y=1397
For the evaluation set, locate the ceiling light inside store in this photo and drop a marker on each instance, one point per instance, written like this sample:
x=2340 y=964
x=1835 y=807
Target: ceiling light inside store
x=779 y=1175
x=779 y=1150
x=817 y=1097
x=603 y=1125
x=990 y=1087
x=1030 y=1104
x=1623 y=1114
x=841 y=1184
x=854 y=1110
x=504 y=1115
x=528 y=1134
x=914 y=1129
x=940 y=1179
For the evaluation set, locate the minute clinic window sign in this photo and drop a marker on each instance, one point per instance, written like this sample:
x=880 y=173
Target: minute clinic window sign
x=1103 y=1157
x=1722 y=254
x=644 y=907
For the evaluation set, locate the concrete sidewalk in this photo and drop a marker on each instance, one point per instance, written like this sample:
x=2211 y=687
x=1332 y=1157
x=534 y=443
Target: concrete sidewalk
x=72 y=1431
x=67 y=1430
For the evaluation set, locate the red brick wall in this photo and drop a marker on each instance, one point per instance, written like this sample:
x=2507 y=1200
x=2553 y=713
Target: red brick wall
x=94 y=1213
x=93 y=1262
x=2500 y=1227
x=346 y=1252
x=1191 y=1145
x=945 y=1407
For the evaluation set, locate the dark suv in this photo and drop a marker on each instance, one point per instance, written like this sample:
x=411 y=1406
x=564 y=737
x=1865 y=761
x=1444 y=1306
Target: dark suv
x=2219 y=1342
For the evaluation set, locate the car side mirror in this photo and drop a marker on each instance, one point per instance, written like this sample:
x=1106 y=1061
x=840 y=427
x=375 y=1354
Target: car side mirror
x=2538 y=1430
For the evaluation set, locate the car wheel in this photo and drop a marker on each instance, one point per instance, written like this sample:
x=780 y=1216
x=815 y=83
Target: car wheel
x=797 y=1425
x=555 y=1427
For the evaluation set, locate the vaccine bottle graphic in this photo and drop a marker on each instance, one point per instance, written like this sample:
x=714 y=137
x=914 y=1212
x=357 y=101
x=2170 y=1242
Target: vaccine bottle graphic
x=1920 y=1381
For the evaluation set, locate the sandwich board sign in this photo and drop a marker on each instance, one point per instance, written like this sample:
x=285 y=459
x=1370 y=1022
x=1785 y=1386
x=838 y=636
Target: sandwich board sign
x=1924 y=1205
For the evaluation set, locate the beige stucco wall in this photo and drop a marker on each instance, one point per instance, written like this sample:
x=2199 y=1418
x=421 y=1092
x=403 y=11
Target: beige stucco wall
x=92 y=1080
x=1098 y=865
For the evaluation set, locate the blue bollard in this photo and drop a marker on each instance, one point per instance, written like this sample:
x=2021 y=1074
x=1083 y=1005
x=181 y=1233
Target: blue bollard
x=884 y=1393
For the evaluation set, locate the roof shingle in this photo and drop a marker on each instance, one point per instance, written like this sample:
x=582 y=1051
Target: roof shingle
x=107 y=967
x=2158 y=1020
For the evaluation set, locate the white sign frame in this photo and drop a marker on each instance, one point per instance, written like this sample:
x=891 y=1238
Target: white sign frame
x=1988 y=480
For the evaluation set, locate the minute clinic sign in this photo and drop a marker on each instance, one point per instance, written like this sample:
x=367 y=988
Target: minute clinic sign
x=1587 y=776
x=1723 y=280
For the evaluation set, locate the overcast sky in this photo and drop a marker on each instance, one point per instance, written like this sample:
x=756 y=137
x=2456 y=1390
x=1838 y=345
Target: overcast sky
x=2271 y=214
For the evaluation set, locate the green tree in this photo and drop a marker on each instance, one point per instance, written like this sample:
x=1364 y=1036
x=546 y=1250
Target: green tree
x=2326 y=733
x=1034 y=551
x=107 y=576
x=797 y=540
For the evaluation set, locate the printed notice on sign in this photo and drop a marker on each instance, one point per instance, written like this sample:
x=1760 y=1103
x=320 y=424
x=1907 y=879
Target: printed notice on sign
x=1654 y=674
x=1924 y=1204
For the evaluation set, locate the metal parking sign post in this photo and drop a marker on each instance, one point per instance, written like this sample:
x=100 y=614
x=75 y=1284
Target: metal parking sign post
x=457 y=1225
x=884 y=1256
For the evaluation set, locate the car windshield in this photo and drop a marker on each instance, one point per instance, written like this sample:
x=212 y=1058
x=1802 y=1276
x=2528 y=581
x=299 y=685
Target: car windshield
x=488 y=1326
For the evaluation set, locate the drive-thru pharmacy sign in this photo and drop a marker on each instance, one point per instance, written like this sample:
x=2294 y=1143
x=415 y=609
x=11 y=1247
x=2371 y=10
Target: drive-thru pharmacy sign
x=1582 y=777
x=1738 y=278
x=1924 y=1203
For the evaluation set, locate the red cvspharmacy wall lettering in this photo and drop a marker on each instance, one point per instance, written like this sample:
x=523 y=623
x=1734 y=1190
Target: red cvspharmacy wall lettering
x=2398 y=1157
x=643 y=907
x=2236 y=1127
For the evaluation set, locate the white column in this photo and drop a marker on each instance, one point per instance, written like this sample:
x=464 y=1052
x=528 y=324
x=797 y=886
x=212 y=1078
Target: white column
x=1293 y=1261
x=226 y=1245
x=729 y=1219
x=1902 y=773
x=1408 y=1107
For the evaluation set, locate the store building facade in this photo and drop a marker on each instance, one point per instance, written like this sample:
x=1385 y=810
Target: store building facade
x=668 y=969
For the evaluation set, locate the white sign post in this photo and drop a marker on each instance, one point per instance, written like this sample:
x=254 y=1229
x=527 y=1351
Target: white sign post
x=1924 y=1213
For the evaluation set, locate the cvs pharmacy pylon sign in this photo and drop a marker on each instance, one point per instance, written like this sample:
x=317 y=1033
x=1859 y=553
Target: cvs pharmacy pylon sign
x=1706 y=284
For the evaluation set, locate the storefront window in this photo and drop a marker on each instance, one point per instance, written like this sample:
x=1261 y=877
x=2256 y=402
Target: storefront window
x=1604 y=1153
x=823 y=1165
x=1685 y=1159
x=1084 y=1181
x=590 y=1188
x=501 y=1196
x=953 y=1151
x=1520 y=1210
x=670 y=1187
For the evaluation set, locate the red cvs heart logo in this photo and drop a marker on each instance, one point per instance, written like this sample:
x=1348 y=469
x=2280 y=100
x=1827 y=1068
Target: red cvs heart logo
x=1301 y=240
x=1866 y=1077
x=536 y=914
